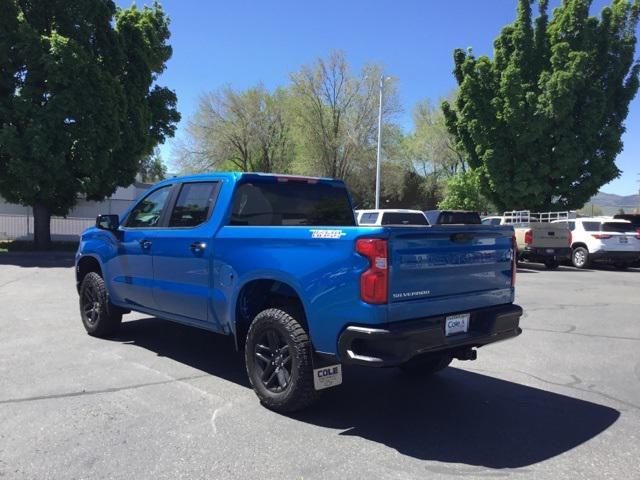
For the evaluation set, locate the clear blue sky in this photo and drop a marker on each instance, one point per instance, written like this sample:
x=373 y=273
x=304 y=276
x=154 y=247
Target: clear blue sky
x=241 y=43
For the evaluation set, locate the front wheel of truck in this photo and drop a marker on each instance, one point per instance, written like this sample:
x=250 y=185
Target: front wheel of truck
x=426 y=365
x=99 y=316
x=278 y=356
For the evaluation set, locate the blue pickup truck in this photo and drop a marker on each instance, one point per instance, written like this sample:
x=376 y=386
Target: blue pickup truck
x=278 y=263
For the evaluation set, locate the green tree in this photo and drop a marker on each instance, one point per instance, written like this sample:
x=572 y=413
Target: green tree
x=431 y=147
x=335 y=119
x=245 y=131
x=79 y=107
x=152 y=168
x=462 y=191
x=542 y=121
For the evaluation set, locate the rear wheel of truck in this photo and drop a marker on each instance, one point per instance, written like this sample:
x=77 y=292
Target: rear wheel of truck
x=99 y=317
x=580 y=257
x=426 y=365
x=551 y=264
x=278 y=356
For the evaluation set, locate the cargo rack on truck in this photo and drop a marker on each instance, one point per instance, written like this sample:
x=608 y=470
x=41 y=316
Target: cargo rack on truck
x=524 y=217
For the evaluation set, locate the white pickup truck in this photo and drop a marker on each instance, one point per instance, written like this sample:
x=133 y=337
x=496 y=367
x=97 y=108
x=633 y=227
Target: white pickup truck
x=538 y=239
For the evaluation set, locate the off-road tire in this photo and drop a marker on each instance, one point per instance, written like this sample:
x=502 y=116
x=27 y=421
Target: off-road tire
x=426 y=365
x=580 y=257
x=99 y=317
x=299 y=391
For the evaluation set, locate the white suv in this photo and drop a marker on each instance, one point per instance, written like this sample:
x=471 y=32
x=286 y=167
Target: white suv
x=605 y=240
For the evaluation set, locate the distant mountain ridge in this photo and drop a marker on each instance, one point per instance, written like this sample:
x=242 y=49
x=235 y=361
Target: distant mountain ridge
x=610 y=202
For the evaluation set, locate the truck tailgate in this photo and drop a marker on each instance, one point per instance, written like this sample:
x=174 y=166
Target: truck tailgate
x=549 y=235
x=448 y=268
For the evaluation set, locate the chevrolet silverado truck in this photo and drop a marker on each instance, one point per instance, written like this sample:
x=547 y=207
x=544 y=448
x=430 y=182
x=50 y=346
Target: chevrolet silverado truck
x=537 y=238
x=278 y=263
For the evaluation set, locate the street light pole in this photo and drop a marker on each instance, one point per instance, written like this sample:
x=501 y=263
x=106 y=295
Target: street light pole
x=379 y=144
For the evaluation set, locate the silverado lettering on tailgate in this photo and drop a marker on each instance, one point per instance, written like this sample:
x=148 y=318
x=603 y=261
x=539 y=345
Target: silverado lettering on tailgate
x=447 y=259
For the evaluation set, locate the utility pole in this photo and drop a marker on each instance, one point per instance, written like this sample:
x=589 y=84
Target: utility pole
x=382 y=79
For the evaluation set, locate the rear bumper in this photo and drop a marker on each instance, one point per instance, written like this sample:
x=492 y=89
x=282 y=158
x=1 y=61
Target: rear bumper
x=614 y=257
x=396 y=343
x=545 y=254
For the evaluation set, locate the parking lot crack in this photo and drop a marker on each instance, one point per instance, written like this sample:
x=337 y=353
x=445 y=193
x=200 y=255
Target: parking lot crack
x=575 y=383
x=572 y=331
x=100 y=391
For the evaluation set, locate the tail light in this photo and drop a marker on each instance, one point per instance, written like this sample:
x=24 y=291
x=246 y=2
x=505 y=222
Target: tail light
x=638 y=234
x=374 y=281
x=514 y=264
x=528 y=237
x=600 y=236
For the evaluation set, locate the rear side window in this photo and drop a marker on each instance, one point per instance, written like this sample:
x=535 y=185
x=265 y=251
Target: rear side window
x=398 y=218
x=459 y=218
x=369 y=218
x=591 y=226
x=194 y=204
x=291 y=203
x=618 y=227
x=146 y=214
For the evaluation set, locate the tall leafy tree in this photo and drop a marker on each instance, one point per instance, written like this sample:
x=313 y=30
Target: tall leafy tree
x=336 y=115
x=542 y=121
x=79 y=107
x=238 y=130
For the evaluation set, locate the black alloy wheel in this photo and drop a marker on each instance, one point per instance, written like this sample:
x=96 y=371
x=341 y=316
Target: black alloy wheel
x=273 y=360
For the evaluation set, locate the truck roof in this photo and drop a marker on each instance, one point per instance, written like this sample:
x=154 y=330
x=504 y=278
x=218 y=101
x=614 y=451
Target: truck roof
x=235 y=176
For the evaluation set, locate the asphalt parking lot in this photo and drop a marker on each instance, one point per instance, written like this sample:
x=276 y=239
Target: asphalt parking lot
x=166 y=401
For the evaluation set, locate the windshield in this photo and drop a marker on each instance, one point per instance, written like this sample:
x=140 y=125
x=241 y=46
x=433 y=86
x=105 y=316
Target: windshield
x=459 y=218
x=399 y=218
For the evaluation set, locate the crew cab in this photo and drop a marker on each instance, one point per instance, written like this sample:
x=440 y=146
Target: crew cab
x=538 y=240
x=278 y=263
x=603 y=240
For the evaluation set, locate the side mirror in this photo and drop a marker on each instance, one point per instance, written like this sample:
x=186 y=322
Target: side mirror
x=108 y=222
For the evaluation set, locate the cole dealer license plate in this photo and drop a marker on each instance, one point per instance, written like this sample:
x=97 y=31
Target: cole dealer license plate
x=456 y=324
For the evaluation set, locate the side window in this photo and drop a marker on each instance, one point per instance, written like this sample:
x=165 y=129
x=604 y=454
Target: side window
x=368 y=219
x=194 y=204
x=147 y=212
x=591 y=226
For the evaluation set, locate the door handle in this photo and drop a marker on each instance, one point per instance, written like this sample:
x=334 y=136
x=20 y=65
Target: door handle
x=197 y=247
x=145 y=244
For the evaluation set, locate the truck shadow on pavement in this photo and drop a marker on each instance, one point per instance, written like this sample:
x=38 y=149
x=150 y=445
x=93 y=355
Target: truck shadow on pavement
x=456 y=416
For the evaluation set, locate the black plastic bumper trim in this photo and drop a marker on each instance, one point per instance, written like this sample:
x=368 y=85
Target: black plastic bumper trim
x=395 y=343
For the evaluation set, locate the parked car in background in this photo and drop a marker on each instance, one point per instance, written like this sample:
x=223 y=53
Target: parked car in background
x=603 y=240
x=538 y=239
x=634 y=218
x=278 y=263
x=390 y=217
x=452 y=217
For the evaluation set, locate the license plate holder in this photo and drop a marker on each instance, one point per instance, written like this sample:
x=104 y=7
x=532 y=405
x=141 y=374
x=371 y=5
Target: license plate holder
x=454 y=324
x=623 y=239
x=550 y=250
